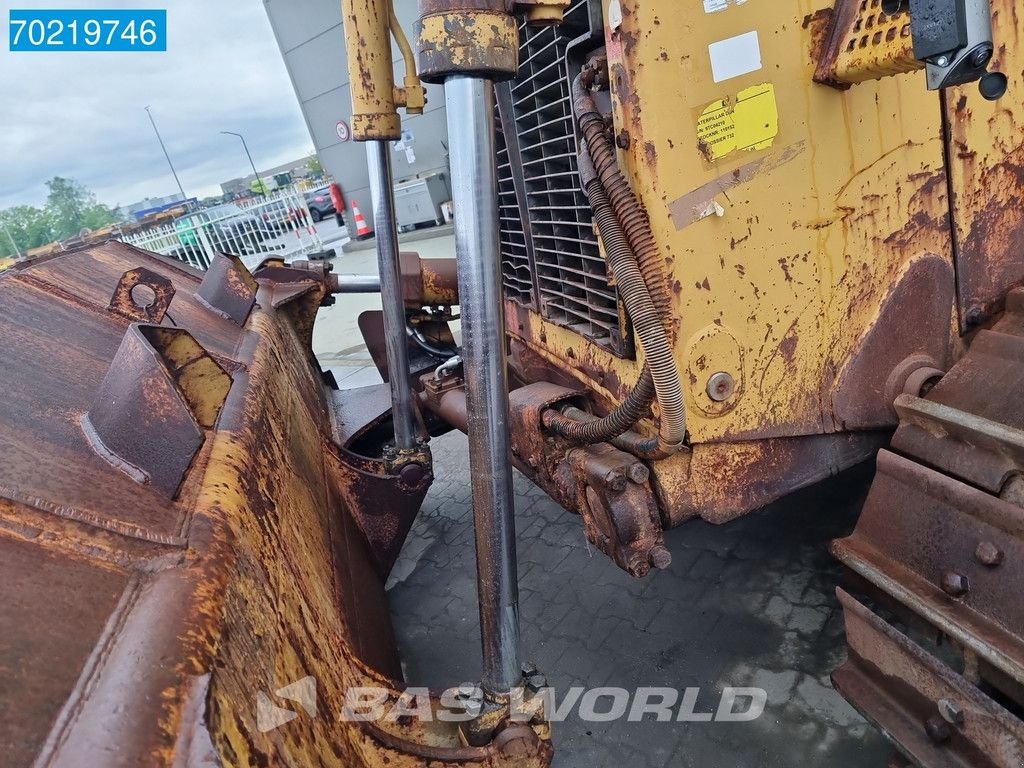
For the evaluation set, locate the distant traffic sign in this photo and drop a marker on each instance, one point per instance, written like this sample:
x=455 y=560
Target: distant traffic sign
x=343 y=131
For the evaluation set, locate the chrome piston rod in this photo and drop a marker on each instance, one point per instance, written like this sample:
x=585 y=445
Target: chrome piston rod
x=470 y=103
x=356 y=283
x=383 y=195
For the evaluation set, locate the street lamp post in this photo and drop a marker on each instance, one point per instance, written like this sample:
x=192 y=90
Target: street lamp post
x=14 y=245
x=159 y=138
x=259 y=181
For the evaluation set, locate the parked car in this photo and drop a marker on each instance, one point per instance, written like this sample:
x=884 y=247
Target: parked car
x=279 y=217
x=320 y=204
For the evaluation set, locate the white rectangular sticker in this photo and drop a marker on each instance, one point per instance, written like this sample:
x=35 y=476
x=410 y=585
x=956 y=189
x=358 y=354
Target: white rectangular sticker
x=735 y=56
x=713 y=6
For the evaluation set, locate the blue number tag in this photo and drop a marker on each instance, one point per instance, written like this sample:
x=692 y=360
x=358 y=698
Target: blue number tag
x=87 y=30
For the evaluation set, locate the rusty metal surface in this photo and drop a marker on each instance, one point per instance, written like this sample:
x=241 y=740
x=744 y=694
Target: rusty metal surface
x=551 y=260
x=142 y=295
x=137 y=629
x=864 y=43
x=228 y=288
x=986 y=170
x=913 y=325
x=809 y=335
x=140 y=422
x=428 y=282
x=941 y=539
x=371 y=326
x=383 y=506
x=609 y=489
x=934 y=715
x=920 y=532
x=78 y=594
x=466 y=38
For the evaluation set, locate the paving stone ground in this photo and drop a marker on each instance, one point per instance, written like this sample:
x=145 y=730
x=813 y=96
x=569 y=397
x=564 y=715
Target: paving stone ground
x=750 y=603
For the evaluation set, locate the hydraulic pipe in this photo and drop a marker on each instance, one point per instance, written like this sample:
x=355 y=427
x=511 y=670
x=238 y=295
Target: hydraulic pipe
x=470 y=102
x=392 y=302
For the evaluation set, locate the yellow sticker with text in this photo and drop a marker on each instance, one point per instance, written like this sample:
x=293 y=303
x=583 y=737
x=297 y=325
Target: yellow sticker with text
x=748 y=122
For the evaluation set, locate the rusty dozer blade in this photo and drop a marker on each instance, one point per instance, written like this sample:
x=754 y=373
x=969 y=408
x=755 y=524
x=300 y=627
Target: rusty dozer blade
x=195 y=529
x=940 y=546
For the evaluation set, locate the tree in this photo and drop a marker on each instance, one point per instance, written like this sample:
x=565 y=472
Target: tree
x=315 y=167
x=73 y=208
x=29 y=228
x=69 y=209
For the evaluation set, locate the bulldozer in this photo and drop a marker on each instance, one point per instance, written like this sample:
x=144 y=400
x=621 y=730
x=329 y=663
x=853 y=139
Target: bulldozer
x=707 y=253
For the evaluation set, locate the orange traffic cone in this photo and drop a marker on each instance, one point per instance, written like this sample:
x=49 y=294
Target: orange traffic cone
x=363 y=230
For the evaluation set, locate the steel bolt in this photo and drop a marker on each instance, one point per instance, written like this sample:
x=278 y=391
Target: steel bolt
x=951 y=712
x=938 y=730
x=955 y=584
x=659 y=557
x=616 y=480
x=639 y=474
x=981 y=56
x=528 y=668
x=622 y=140
x=516 y=742
x=638 y=567
x=411 y=473
x=974 y=316
x=1013 y=490
x=721 y=386
x=988 y=554
x=536 y=681
x=942 y=61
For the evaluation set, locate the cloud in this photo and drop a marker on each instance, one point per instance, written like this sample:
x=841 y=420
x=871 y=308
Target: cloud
x=82 y=114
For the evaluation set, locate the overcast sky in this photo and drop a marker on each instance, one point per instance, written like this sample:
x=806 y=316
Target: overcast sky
x=81 y=114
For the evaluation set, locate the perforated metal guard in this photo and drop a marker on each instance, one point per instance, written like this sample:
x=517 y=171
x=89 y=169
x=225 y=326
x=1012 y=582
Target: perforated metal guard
x=876 y=45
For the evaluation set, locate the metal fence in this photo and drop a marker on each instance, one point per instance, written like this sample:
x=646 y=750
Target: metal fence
x=279 y=224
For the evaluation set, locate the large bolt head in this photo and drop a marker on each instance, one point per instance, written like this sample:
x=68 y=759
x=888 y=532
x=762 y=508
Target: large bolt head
x=951 y=712
x=639 y=474
x=988 y=554
x=536 y=682
x=721 y=386
x=659 y=557
x=955 y=584
x=616 y=481
x=412 y=473
x=938 y=730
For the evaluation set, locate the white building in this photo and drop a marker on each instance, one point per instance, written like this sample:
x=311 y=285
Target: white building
x=312 y=42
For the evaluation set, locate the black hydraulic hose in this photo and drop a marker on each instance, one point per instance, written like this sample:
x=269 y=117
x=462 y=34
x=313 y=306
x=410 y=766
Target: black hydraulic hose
x=427 y=346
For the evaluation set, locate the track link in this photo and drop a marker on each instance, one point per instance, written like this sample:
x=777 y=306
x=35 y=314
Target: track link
x=940 y=548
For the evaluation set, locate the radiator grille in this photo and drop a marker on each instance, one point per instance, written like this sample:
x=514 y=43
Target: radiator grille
x=550 y=256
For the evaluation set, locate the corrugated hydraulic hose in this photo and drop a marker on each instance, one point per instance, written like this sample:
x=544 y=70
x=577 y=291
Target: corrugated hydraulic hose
x=660 y=374
x=642 y=284
x=628 y=211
